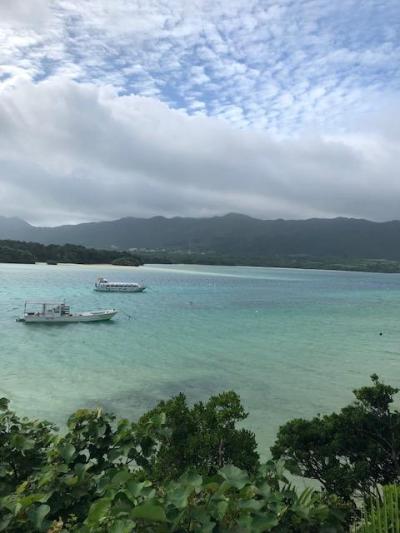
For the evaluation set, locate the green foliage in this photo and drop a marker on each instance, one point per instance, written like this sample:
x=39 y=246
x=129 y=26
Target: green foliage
x=229 y=501
x=203 y=437
x=127 y=261
x=383 y=514
x=9 y=254
x=104 y=475
x=30 y=252
x=224 y=502
x=189 y=468
x=268 y=259
x=349 y=453
x=23 y=447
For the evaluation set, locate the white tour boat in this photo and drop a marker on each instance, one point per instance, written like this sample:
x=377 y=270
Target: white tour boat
x=55 y=312
x=103 y=285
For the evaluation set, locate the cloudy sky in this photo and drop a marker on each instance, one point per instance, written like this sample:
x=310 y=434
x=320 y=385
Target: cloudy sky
x=273 y=108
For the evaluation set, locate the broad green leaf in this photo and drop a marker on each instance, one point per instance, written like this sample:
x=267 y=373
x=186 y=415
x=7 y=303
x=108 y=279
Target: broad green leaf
x=62 y=468
x=22 y=443
x=9 y=502
x=71 y=480
x=245 y=522
x=213 y=486
x=264 y=522
x=135 y=488
x=223 y=488
x=248 y=492
x=114 y=454
x=67 y=452
x=265 y=491
x=221 y=509
x=121 y=477
x=21 y=488
x=81 y=469
x=149 y=493
x=122 y=526
x=203 y=517
x=122 y=503
x=251 y=505
x=234 y=476
x=178 y=494
x=98 y=510
x=191 y=479
x=149 y=512
x=38 y=514
x=47 y=477
x=33 y=498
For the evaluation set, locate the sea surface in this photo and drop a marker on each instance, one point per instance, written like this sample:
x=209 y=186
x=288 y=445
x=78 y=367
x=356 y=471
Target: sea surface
x=292 y=343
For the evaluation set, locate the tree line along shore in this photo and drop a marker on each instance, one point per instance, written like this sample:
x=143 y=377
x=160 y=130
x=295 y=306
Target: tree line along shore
x=30 y=252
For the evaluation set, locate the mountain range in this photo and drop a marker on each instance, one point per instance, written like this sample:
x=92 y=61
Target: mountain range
x=233 y=234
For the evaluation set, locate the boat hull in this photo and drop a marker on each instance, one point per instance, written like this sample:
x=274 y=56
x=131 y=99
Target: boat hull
x=75 y=317
x=119 y=289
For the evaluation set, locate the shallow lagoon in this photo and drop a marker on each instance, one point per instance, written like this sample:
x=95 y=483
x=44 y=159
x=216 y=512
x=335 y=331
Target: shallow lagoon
x=291 y=342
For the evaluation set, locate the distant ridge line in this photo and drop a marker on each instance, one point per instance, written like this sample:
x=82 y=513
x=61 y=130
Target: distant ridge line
x=231 y=234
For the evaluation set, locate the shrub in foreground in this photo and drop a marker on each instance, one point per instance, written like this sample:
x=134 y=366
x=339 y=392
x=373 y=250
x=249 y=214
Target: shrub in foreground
x=351 y=453
x=105 y=475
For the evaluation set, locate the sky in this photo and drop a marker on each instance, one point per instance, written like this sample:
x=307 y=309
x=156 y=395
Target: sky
x=272 y=108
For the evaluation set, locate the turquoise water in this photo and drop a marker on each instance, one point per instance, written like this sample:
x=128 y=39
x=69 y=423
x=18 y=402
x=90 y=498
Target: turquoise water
x=291 y=342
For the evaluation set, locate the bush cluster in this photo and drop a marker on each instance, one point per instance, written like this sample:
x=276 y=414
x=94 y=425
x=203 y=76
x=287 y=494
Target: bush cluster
x=191 y=468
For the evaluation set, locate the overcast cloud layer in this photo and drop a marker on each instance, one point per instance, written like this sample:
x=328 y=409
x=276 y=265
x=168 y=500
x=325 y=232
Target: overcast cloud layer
x=271 y=108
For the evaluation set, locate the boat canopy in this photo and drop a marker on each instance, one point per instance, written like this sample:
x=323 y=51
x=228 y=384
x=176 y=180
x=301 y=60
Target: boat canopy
x=45 y=303
x=102 y=281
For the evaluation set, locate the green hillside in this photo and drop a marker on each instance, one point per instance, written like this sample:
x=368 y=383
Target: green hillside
x=231 y=238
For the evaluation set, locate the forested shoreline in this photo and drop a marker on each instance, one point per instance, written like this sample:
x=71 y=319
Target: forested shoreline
x=308 y=263
x=185 y=468
x=32 y=252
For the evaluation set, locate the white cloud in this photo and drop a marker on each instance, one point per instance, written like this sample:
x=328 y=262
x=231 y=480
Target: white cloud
x=320 y=57
x=71 y=151
x=207 y=106
x=24 y=13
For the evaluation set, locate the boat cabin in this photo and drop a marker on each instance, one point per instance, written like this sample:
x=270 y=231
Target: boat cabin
x=48 y=309
x=104 y=283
